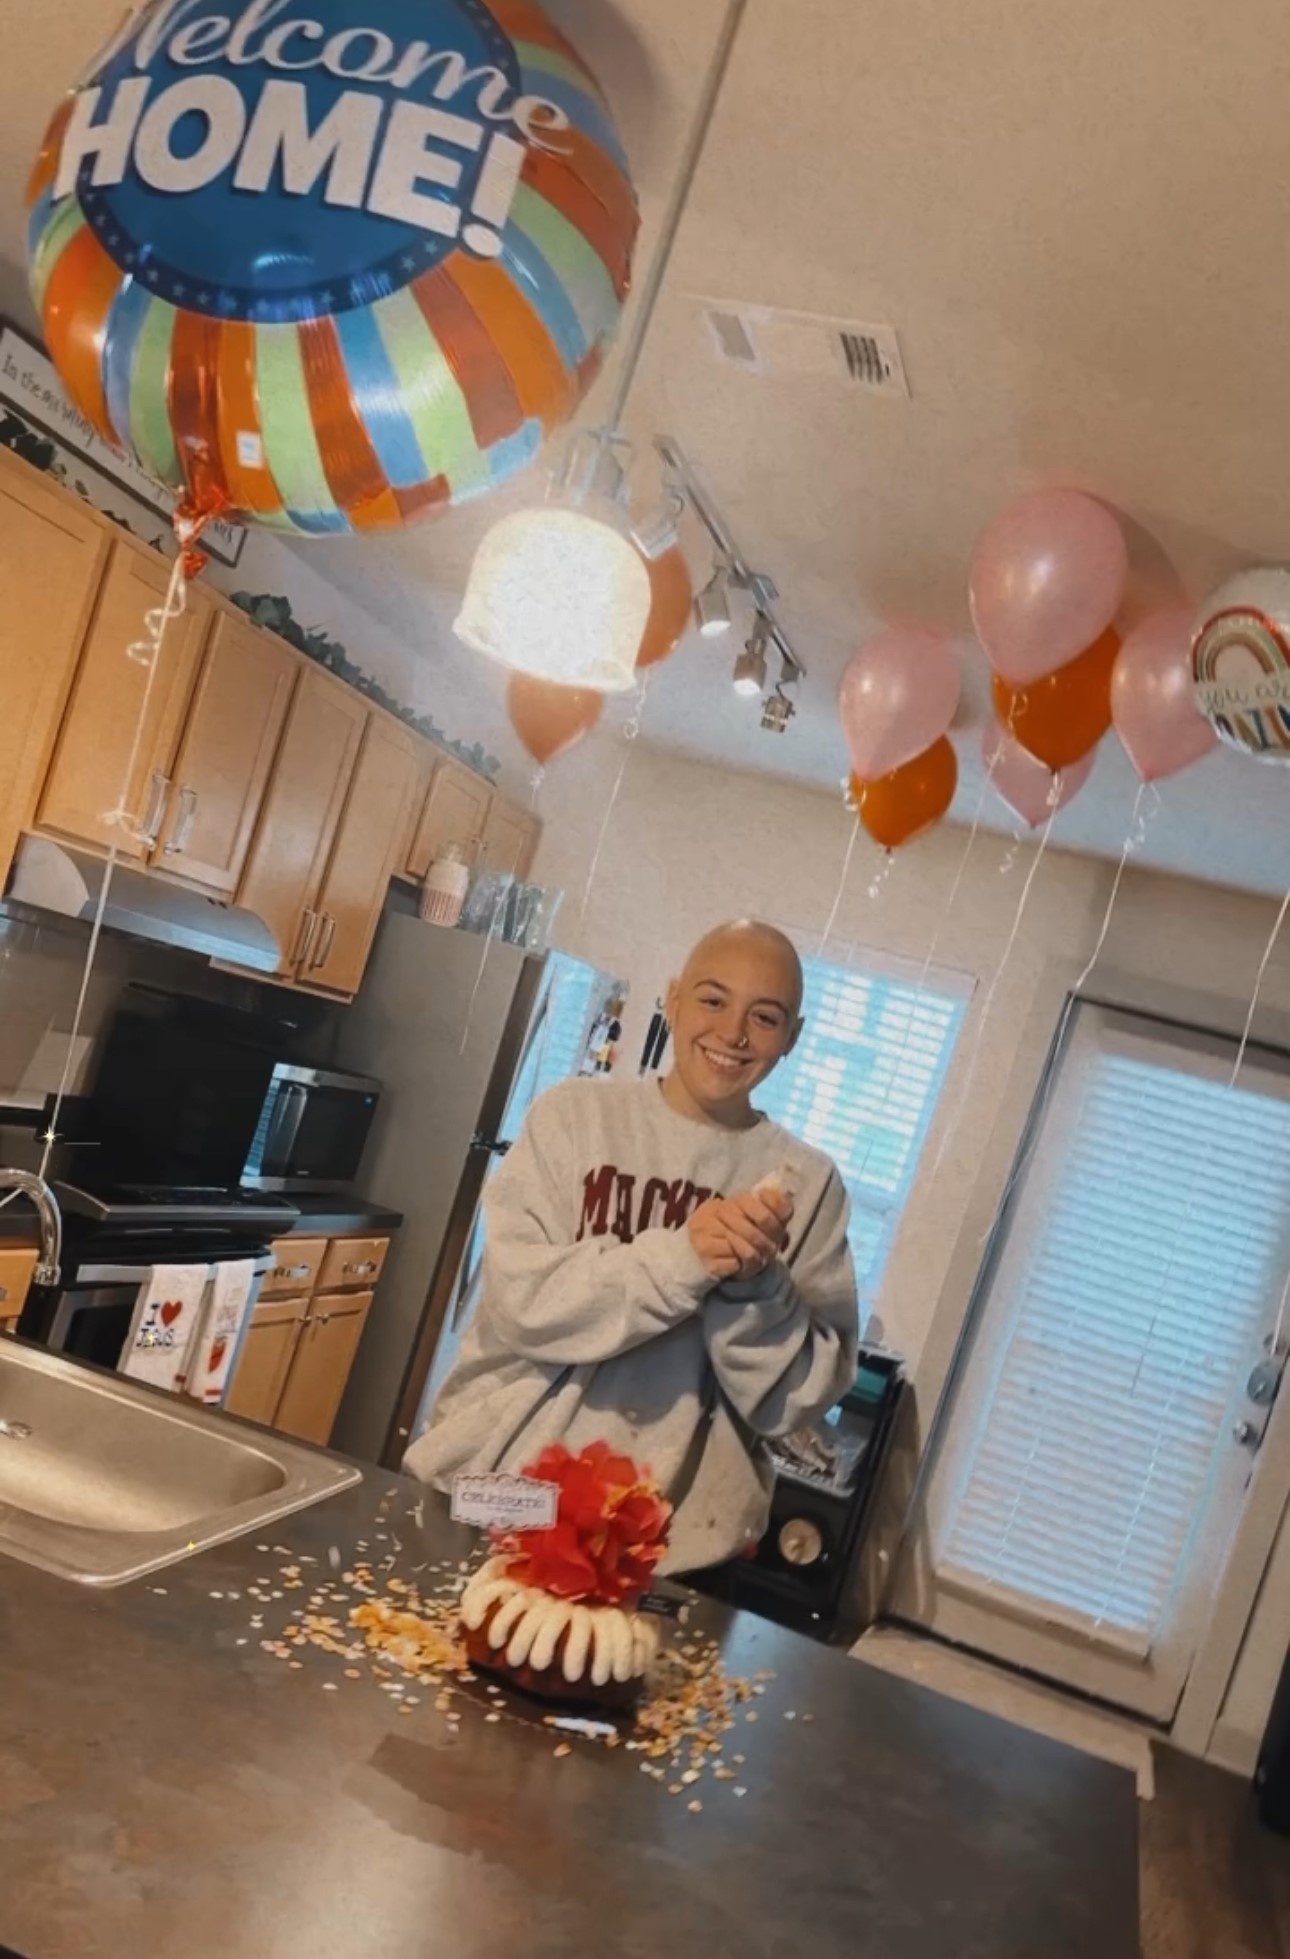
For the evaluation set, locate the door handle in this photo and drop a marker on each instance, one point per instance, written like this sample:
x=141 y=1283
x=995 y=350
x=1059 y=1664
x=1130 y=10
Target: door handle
x=157 y=802
x=361 y=1270
x=178 y=844
x=326 y=941
x=291 y=1271
x=308 y=920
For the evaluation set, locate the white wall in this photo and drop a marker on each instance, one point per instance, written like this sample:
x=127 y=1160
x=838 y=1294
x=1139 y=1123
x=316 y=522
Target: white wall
x=688 y=845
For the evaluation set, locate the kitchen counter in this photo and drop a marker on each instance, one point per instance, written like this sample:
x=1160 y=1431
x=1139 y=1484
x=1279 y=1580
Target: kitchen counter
x=169 y=1788
x=339 y=1217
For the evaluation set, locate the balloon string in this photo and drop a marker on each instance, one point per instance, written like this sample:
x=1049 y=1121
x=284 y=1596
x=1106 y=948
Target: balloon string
x=630 y=734
x=539 y=777
x=1134 y=837
x=143 y=652
x=993 y=989
x=827 y=933
x=1268 y=950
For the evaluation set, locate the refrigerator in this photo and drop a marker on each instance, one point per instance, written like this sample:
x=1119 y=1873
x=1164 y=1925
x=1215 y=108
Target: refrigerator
x=462 y=1032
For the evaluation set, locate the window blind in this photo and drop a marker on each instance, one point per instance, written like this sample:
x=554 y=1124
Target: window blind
x=862 y=1085
x=1143 y=1263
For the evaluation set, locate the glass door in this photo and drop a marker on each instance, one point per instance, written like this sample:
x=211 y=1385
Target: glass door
x=1092 y=1481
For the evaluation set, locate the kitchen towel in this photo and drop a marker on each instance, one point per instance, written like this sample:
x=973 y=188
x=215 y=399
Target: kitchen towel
x=228 y=1305
x=165 y=1320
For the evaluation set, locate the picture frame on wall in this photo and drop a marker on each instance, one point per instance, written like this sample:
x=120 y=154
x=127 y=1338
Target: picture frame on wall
x=38 y=422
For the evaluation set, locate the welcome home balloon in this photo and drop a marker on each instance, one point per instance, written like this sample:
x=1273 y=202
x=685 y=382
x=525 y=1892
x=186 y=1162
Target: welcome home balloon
x=336 y=263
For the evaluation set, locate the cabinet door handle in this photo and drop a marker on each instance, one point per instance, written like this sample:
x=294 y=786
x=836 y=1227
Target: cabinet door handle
x=178 y=844
x=308 y=920
x=291 y=1271
x=322 y=1319
x=326 y=941
x=362 y=1269
x=156 y=805
x=4 y=1294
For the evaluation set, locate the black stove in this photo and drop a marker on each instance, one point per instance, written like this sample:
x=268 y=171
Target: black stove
x=113 y=1237
x=157 y=1206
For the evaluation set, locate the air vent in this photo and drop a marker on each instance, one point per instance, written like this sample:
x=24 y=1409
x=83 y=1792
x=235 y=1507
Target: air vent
x=765 y=340
x=733 y=337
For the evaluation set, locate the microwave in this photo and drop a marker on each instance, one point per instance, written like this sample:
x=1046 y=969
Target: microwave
x=191 y=1094
x=312 y=1129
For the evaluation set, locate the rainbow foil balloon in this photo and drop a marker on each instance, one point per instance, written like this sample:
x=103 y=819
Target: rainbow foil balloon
x=333 y=264
x=1241 y=663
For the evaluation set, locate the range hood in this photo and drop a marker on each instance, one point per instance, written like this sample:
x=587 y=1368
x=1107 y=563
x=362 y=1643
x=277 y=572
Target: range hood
x=49 y=877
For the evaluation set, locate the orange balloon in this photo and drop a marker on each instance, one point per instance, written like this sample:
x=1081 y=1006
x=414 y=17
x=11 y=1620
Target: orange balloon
x=669 y=615
x=549 y=718
x=900 y=806
x=1064 y=716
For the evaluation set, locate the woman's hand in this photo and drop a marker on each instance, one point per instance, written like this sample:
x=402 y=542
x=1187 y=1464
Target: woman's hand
x=738 y=1237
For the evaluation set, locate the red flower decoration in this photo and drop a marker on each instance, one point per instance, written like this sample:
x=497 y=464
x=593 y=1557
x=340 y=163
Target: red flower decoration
x=609 y=1533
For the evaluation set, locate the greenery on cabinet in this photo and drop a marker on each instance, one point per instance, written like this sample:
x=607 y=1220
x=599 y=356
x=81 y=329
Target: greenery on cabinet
x=42 y=454
x=274 y=614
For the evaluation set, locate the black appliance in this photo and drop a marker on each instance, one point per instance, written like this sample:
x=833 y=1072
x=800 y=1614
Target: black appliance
x=197 y=1095
x=825 y=1485
x=112 y=1237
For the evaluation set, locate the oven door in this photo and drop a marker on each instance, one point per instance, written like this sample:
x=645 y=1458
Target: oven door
x=313 y=1130
x=89 y=1316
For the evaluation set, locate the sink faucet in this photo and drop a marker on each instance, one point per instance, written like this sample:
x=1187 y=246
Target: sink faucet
x=51 y=1223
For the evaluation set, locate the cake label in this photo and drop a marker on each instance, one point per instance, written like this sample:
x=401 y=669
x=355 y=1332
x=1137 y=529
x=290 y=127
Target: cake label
x=504 y=1502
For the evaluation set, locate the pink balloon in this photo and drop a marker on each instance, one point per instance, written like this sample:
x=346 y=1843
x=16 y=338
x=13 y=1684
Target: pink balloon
x=1153 y=698
x=1047 y=579
x=899 y=694
x=1024 y=782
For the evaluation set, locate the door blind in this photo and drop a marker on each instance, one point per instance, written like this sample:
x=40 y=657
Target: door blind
x=862 y=1085
x=1142 y=1264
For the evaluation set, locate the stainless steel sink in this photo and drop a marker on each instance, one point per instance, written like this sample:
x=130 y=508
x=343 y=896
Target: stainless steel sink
x=102 y=1481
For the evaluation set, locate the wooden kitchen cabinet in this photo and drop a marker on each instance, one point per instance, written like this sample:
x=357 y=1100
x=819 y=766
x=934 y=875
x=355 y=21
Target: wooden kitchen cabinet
x=17 y=1263
x=265 y=1360
x=352 y=1262
x=456 y=811
x=297 y=1263
x=301 y=813
x=53 y=552
x=226 y=753
x=510 y=838
x=87 y=778
x=363 y=858
x=320 y=1366
x=427 y=762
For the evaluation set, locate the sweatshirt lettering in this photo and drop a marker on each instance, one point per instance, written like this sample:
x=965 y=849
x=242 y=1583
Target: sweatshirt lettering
x=610 y=1205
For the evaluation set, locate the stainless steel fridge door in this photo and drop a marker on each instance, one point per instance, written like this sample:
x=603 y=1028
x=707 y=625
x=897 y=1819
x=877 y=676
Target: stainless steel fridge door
x=440 y=1020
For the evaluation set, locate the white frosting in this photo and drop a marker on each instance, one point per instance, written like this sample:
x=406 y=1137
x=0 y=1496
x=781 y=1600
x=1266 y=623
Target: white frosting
x=604 y=1639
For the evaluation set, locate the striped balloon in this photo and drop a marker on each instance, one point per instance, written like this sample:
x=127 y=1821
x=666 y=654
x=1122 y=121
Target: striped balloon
x=335 y=267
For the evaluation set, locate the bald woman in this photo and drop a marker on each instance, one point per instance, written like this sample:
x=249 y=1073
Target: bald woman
x=664 y=1268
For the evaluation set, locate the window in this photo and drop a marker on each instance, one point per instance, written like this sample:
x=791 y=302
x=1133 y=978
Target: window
x=1140 y=1264
x=863 y=1084
x=572 y=997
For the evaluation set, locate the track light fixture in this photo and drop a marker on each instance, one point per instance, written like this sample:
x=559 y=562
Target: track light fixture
x=777 y=713
x=750 y=667
x=712 y=604
x=731 y=570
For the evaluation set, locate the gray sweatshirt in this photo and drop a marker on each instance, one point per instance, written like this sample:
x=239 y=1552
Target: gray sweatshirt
x=596 y=1318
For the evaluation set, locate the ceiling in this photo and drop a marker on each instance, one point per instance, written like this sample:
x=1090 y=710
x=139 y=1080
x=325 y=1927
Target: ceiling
x=1075 y=223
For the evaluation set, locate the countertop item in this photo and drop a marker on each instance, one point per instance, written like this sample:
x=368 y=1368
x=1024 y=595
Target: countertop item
x=167 y=1789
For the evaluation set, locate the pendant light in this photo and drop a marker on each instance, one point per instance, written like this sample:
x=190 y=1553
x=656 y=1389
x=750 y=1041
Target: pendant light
x=561 y=592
